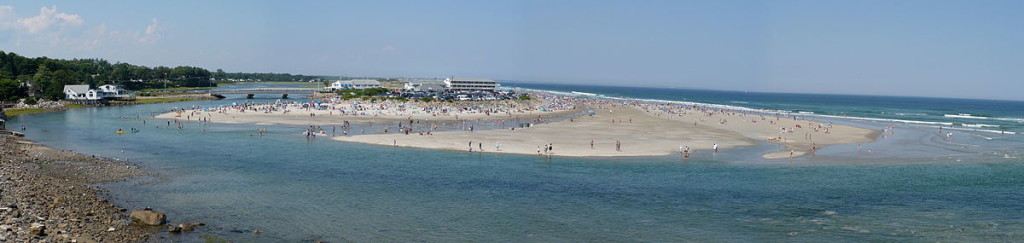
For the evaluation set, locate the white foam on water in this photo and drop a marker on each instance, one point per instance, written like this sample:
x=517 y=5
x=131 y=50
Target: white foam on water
x=982 y=130
x=969 y=116
x=964 y=115
x=949 y=125
x=1021 y=120
x=908 y=114
x=978 y=125
x=889 y=120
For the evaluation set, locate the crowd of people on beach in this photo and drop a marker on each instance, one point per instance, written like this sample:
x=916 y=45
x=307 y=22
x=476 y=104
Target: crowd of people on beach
x=406 y=116
x=413 y=117
x=400 y=108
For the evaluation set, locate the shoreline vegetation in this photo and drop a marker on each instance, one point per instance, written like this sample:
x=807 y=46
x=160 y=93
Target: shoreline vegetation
x=42 y=79
x=593 y=128
x=25 y=109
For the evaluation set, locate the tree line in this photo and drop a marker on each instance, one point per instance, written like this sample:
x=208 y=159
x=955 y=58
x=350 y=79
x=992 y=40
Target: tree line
x=44 y=78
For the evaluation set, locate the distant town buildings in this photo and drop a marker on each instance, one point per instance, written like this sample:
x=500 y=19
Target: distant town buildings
x=470 y=84
x=426 y=86
x=355 y=84
x=451 y=84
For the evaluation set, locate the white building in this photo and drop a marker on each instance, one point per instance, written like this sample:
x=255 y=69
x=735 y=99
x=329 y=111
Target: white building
x=80 y=92
x=83 y=92
x=111 y=91
x=470 y=84
x=426 y=85
x=355 y=84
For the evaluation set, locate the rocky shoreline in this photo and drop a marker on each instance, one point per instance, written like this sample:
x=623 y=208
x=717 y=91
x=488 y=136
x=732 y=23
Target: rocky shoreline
x=45 y=196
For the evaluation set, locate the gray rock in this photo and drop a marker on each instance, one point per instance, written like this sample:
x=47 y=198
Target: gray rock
x=189 y=227
x=37 y=229
x=148 y=217
x=174 y=229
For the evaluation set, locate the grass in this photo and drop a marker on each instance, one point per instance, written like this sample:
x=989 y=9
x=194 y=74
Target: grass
x=177 y=89
x=155 y=100
x=277 y=82
x=18 y=112
x=29 y=111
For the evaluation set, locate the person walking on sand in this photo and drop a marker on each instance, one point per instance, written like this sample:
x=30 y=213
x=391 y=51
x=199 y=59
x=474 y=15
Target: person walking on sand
x=715 y=147
x=497 y=146
x=591 y=144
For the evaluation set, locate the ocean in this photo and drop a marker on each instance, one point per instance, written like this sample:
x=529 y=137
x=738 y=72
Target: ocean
x=996 y=116
x=913 y=185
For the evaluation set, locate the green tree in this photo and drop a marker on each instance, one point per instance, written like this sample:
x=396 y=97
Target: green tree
x=11 y=90
x=40 y=81
x=219 y=75
x=55 y=91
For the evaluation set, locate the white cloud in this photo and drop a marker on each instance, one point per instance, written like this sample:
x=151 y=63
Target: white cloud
x=54 y=30
x=153 y=32
x=48 y=17
x=389 y=48
x=6 y=17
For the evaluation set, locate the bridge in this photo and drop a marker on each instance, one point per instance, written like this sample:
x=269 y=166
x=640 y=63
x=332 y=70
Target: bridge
x=251 y=92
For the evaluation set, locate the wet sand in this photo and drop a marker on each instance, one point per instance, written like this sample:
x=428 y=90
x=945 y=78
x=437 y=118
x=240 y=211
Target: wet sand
x=650 y=133
x=616 y=129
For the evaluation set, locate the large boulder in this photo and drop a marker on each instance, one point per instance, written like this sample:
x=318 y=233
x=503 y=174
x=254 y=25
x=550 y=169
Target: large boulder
x=148 y=217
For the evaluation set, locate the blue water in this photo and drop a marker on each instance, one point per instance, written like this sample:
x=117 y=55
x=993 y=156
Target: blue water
x=913 y=186
x=1000 y=114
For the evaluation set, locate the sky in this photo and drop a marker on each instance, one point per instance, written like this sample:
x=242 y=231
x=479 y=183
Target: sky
x=934 y=48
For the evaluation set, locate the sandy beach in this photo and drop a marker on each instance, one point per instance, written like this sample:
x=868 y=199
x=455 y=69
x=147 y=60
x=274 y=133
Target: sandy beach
x=638 y=132
x=613 y=129
x=338 y=112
